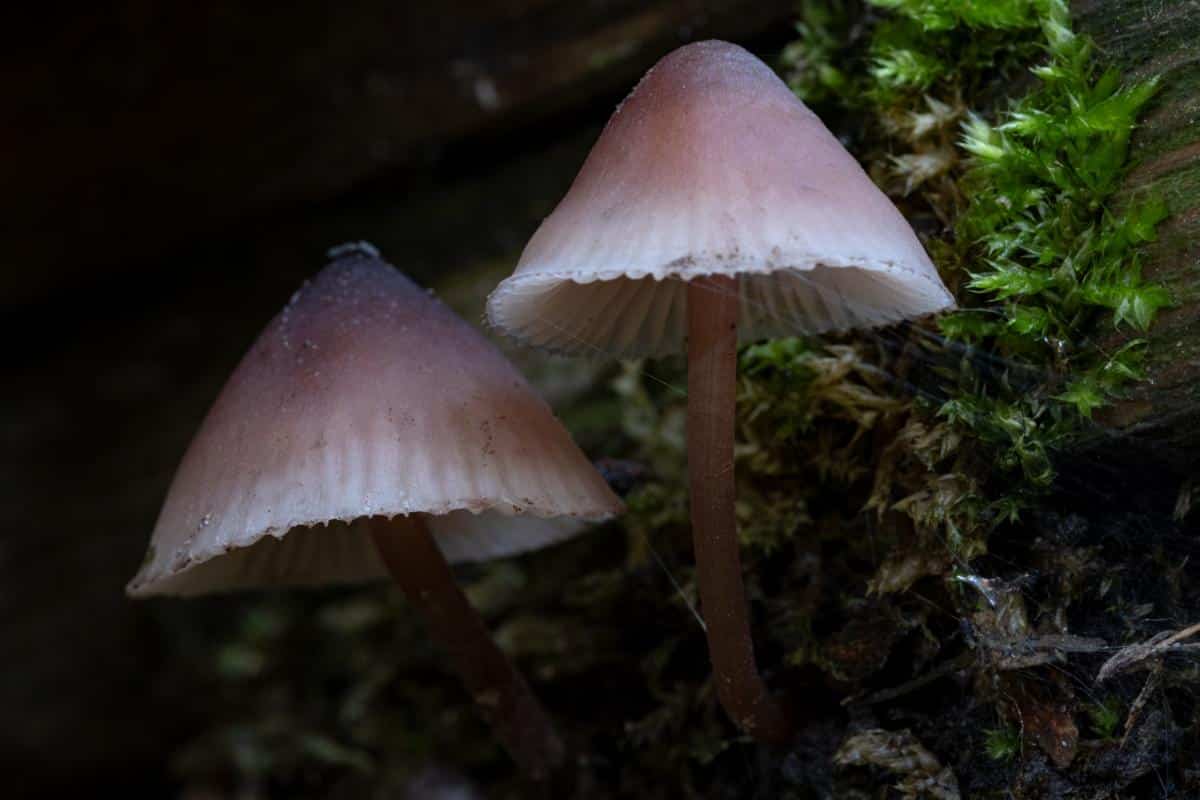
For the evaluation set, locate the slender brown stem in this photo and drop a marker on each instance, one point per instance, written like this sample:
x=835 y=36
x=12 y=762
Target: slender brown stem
x=500 y=693
x=712 y=373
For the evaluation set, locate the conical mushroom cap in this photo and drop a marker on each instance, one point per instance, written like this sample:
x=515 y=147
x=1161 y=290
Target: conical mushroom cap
x=365 y=397
x=713 y=166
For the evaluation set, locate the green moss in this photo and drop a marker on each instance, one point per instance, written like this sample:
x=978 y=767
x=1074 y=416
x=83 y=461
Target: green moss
x=1003 y=744
x=1032 y=236
x=1105 y=717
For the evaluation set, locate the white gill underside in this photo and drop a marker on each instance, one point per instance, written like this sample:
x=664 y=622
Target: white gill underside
x=637 y=316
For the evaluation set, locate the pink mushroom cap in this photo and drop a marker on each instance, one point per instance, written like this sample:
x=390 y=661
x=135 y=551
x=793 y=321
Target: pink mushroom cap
x=712 y=166
x=365 y=397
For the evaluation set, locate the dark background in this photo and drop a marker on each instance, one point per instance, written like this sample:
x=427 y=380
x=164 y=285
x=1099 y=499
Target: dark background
x=170 y=173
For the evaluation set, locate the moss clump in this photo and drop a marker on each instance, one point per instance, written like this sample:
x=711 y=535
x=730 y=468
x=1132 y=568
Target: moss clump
x=1018 y=201
x=1003 y=744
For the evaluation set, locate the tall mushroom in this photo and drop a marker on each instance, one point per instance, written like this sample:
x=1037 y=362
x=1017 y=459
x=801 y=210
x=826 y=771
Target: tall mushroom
x=715 y=205
x=371 y=431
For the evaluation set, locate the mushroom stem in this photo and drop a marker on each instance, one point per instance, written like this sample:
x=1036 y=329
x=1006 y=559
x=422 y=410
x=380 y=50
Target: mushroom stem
x=501 y=694
x=712 y=308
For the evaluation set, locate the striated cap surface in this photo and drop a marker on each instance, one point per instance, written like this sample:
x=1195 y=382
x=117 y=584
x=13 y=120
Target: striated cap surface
x=713 y=166
x=365 y=397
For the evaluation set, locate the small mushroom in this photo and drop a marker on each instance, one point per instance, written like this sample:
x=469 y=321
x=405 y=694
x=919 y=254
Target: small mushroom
x=715 y=207
x=371 y=431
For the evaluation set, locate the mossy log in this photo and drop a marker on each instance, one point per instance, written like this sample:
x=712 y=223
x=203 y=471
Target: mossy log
x=1161 y=418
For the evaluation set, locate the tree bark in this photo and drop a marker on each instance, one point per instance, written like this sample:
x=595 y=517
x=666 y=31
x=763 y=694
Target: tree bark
x=1160 y=420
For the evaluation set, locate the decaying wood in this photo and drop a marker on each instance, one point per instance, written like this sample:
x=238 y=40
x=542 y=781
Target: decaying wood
x=1159 y=645
x=141 y=126
x=1145 y=39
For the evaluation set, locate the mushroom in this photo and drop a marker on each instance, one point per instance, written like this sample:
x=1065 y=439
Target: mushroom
x=715 y=206
x=371 y=431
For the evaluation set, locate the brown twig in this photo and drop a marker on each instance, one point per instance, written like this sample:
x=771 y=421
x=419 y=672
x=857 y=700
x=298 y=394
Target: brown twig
x=1157 y=645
